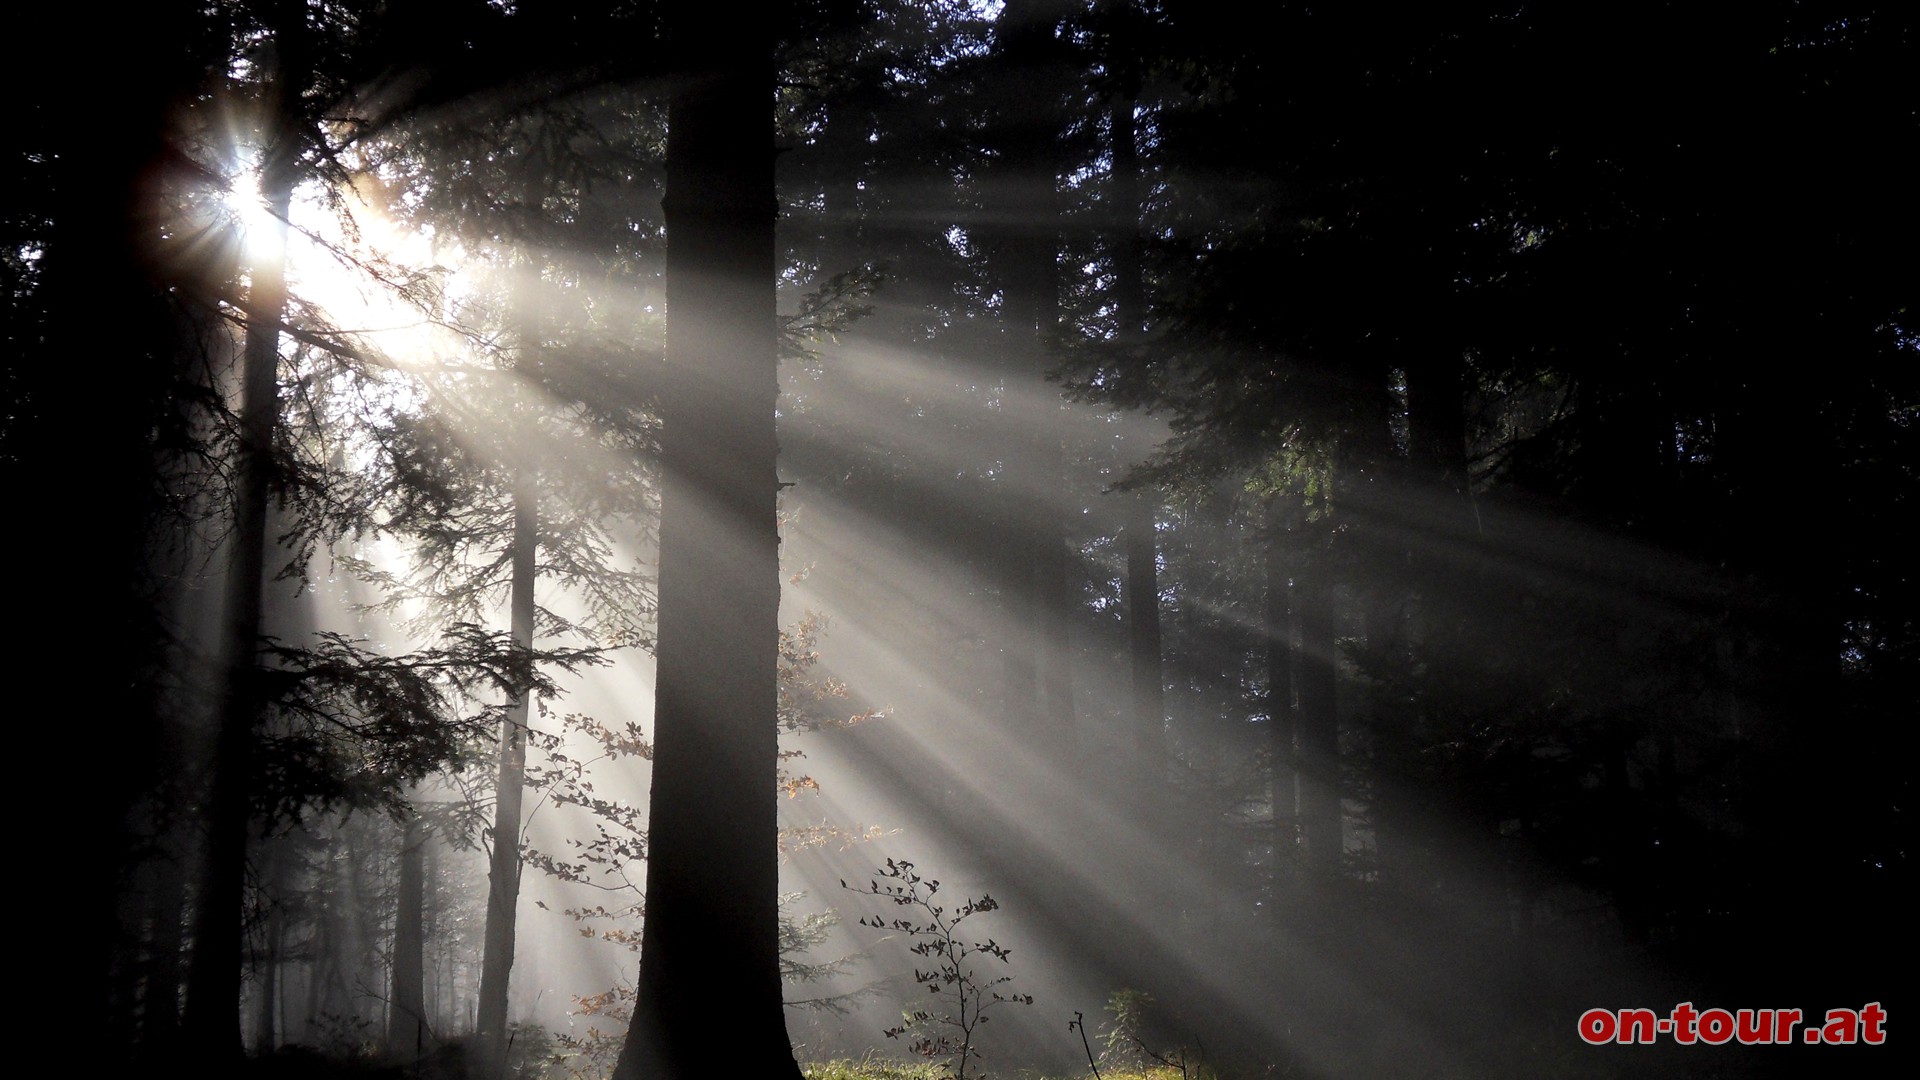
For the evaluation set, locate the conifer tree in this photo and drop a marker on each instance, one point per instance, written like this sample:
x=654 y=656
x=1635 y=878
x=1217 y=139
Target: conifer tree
x=711 y=826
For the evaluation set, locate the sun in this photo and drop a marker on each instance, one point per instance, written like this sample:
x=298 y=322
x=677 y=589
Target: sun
x=261 y=231
x=350 y=268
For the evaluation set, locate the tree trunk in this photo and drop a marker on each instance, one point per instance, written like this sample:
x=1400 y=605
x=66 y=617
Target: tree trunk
x=91 y=353
x=1035 y=465
x=1319 y=726
x=437 y=957
x=1446 y=572
x=710 y=945
x=212 y=1021
x=1149 y=744
x=407 y=1008
x=503 y=873
x=282 y=858
x=1148 y=736
x=160 y=1005
x=1282 y=720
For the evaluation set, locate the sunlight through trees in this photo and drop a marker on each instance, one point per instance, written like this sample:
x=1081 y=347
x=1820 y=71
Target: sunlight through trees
x=1370 y=533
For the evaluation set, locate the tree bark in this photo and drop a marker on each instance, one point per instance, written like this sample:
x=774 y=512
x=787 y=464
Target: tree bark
x=91 y=355
x=282 y=860
x=503 y=873
x=407 y=1008
x=1282 y=719
x=710 y=944
x=1319 y=726
x=1042 y=563
x=212 y=1021
x=1148 y=735
x=160 y=1012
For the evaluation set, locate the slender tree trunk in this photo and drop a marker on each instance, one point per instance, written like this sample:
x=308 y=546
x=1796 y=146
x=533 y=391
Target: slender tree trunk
x=1156 y=863
x=1057 y=603
x=1039 y=708
x=1319 y=726
x=503 y=875
x=360 y=968
x=437 y=977
x=1145 y=743
x=160 y=1004
x=211 y=1025
x=1148 y=736
x=710 y=945
x=1038 y=677
x=1054 y=602
x=267 y=1005
x=1148 y=698
x=1412 y=842
x=212 y=1021
x=278 y=872
x=1282 y=718
x=407 y=1015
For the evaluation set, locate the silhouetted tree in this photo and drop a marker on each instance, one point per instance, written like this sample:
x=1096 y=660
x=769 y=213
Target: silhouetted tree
x=711 y=829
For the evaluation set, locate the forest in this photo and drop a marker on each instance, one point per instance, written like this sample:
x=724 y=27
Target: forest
x=962 y=538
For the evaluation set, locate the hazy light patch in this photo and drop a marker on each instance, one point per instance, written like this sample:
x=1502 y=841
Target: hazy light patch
x=556 y=963
x=391 y=320
x=969 y=765
x=968 y=762
x=921 y=624
x=371 y=283
x=943 y=415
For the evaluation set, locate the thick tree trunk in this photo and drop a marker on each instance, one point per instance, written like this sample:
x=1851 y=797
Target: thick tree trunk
x=90 y=354
x=710 y=945
x=503 y=873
